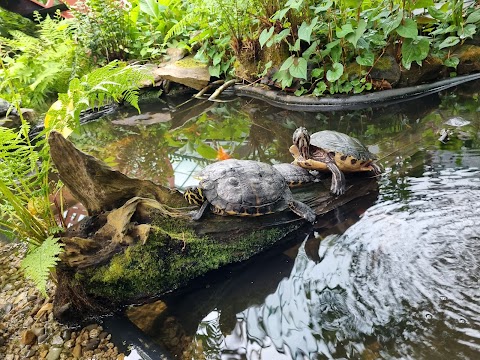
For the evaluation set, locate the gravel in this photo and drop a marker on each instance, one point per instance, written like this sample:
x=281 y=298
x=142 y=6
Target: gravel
x=27 y=327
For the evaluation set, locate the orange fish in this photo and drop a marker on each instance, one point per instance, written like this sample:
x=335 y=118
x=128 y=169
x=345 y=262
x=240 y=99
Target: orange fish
x=222 y=154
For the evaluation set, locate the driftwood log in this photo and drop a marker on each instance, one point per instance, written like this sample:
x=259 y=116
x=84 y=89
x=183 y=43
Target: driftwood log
x=139 y=241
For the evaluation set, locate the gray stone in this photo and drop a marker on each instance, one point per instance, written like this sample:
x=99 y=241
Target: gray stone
x=54 y=353
x=57 y=341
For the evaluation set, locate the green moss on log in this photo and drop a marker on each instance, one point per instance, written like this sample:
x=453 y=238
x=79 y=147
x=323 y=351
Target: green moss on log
x=172 y=256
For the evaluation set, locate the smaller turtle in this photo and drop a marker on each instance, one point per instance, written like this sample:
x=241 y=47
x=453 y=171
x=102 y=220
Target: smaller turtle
x=333 y=151
x=244 y=188
x=295 y=175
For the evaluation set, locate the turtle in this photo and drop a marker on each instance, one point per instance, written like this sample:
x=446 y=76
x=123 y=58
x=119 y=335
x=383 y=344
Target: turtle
x=294 y=175
x=334 y=151
x=244 y=188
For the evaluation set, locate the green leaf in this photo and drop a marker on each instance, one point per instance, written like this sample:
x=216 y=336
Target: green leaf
x=335 y=73
x=324 y=6
x=421 y=4
x=452 y=62
x=408 y=30
x=265 y=36
x=39 y=261
x=317 y=73
x=311 y=49
x=473 y=18
x=206 y=151
x=299 y=68
x=295 y=47
x=305 y=31
x=391 y=24
x=218 y=58
x=320 y=88
x=449 y=41
x=214 y=70
x=287 y=63
x=437 y=13
x=366 y=59
x=345 y=30
x=279 y=37
x=414 y=50
x=359 y=31
x=284 y=77
x=268 y=65
x=151 y=7
x=467 y=31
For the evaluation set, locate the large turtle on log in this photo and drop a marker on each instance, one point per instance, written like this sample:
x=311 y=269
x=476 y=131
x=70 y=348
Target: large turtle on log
x=244 y=188
x=332 y=151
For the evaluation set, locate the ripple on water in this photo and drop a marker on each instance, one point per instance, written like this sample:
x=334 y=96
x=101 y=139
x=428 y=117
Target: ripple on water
x=403 y=282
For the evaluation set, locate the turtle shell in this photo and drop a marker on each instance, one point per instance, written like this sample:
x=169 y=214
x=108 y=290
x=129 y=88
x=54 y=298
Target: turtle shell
x=295 y=175
x=244 y=187
x=349 y=153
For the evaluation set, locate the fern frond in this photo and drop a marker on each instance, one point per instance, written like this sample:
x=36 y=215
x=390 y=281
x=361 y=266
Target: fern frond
x=40 y=260
x=180 y=26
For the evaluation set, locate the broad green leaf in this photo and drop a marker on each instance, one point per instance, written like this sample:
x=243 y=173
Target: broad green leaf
x=265 y=36
x=449 y=41
x=344 y=31
x=473 y=18
x=452 y=62
x=311 y=49
x=299 y=68
x=359 y=31
x=414 y=50
x=295 y=47
x=279 y=37
x=287 y=63
x=317 y=73
x=421 y=4
x=324 y=6
x=280 y=14
x=444 y=30
x=437 y=13
x=408 y=30
x=268 y=65
x=305 y=31
x=467 y=32
x=218 y=58
x=206 y=151
x=390 y=24
x=320 y=89
x=214 y=70
x=335 y=72
x=284 y=77
x=366 y=59
x=294 y=4
x=151 y=7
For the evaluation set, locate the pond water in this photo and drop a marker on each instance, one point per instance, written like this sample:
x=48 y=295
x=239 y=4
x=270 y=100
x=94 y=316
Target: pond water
x=394 y=274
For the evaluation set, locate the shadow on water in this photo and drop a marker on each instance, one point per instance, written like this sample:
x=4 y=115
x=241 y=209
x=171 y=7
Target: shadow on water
x=393 y=274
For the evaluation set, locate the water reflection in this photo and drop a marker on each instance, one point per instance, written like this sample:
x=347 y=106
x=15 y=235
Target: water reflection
x=388 y=276
x=400 y=283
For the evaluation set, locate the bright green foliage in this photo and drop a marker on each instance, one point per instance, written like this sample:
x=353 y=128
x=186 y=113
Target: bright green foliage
x=37 y=67
x=116 y=81
x=40 y=261
x=25 y=205
x=10 y=21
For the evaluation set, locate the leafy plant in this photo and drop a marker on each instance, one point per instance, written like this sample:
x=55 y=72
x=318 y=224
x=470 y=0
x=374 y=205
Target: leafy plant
x=35 y=68
x=116 y=81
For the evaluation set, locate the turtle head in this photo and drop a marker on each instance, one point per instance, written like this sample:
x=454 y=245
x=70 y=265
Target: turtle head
x=194 y=196
x=301 y=138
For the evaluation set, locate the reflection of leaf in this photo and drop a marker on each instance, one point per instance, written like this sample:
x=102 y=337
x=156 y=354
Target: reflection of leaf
x=207 y=151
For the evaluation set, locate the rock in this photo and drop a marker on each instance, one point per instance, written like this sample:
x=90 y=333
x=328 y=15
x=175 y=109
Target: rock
x=92 y=344
x=386 y=68
x=54 y=353
x=188 y=72
x=77 y=351
x=57 y=341
x=469 y=56
x=28 y=337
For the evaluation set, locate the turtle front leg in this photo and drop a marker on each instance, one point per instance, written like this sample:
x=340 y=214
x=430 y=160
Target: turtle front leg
x=338 y=179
